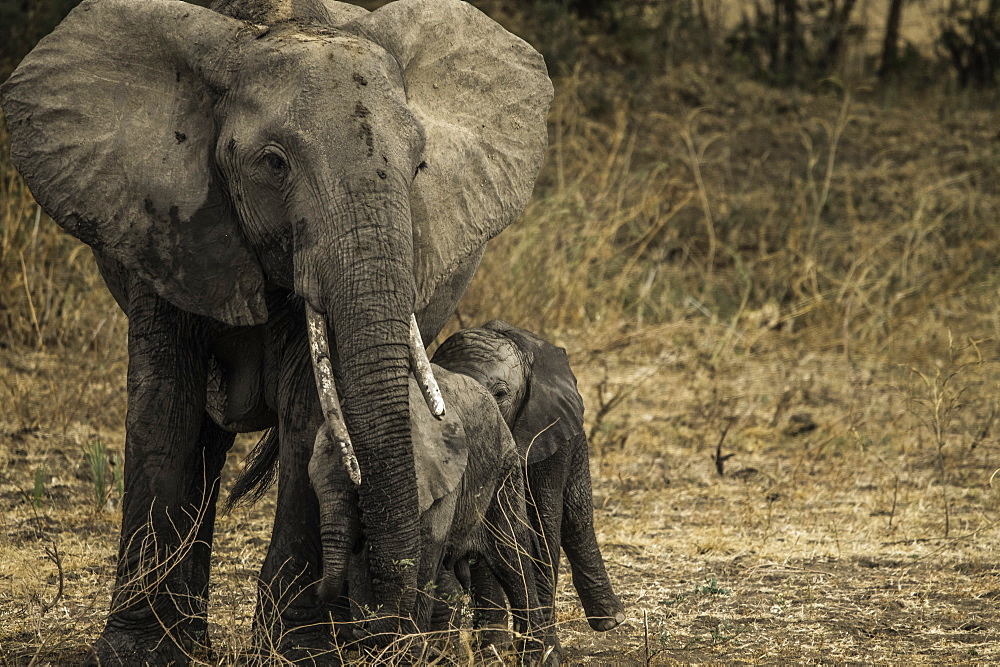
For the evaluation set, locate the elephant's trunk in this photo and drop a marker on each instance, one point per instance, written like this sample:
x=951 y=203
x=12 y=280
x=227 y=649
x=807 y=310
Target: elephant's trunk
x=333 y=449
x=362 y=282
x=339 y=526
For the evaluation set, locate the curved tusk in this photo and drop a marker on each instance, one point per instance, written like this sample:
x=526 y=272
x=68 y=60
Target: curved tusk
x=422 y=371
x=319 y=352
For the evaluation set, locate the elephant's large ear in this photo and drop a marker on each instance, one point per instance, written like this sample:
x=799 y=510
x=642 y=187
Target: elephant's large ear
x=482 y=95
x=111 y=124
x=551 y=415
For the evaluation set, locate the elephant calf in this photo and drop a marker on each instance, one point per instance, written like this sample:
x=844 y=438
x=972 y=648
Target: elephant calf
x=535 y=389
x=472 y=500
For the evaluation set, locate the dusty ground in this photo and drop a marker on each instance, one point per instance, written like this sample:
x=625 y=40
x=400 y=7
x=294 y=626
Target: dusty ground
x=824 y=539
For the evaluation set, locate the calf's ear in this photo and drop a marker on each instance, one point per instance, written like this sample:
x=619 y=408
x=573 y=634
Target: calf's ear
x=551 y=415
x=440 y=448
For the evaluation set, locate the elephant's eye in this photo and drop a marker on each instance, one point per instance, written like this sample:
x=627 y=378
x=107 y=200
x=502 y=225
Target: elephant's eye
x=500 y=392
x=276 y=164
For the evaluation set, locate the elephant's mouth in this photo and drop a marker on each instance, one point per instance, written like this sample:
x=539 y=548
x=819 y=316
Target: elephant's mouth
x=319 y=352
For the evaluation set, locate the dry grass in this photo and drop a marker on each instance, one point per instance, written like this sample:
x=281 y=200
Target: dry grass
x=803 y=286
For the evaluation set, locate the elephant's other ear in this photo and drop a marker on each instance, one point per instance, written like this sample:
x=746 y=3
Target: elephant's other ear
x=482 y=95
x=440 y=448
x=551 y=416
x=112 y=126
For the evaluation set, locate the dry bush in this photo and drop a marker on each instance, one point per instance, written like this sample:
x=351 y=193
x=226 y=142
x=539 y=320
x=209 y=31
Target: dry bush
x=838 y=220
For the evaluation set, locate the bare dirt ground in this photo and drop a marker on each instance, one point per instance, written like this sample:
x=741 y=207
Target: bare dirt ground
x=823 y=540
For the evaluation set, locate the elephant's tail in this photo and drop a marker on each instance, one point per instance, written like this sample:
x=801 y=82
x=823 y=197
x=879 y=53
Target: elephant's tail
x=259 y=474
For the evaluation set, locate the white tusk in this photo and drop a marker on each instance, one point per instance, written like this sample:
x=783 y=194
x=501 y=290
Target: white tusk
x=319 y=351
x=422 y=371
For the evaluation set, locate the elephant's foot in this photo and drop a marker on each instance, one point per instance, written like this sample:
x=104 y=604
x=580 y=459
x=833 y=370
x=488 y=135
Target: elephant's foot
x=606 y=615
x=493 y=634
x=299 y=643
x=392 y=640
x=311 y=651
x=118 y=647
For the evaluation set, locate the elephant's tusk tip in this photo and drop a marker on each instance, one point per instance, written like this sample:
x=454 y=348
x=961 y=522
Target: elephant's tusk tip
x=350 y=462
x=422 y=372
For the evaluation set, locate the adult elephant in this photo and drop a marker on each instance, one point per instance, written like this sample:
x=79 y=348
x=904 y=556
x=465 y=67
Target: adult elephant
x=235 y=171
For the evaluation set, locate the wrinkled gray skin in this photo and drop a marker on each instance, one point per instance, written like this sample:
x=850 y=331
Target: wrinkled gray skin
x=471 y=491
x=226 y=173
x=535 y=389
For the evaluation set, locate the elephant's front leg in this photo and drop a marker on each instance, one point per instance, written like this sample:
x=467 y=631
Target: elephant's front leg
x=546 y=479
x=511 y=557
x=590 y=578
x=173 y=456
x=291 y=619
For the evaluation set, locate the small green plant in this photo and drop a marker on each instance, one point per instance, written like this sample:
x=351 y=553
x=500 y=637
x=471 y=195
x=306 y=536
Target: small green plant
x=677 y=599
x=38 y=490
x=711 y=588
x=722 y=633
x=95 y=453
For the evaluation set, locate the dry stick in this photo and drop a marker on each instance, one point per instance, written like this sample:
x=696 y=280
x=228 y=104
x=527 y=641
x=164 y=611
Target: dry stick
x=895 y=493
x=782 y=405
x=696 y=156
x=944 y=488
x=843 y=119
x=718 y=458
x=985 y=430
x=31 y=303
x=645 y=633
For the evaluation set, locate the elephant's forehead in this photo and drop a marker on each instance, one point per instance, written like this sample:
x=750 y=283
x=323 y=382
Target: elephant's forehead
x=483 y=354
x=499 y=357
x=323 y=58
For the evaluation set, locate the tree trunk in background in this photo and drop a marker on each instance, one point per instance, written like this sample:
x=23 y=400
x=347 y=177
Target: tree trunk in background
x=775 y=46
x=784 y=44
x=839 y=21
x=890 y=50
x=792 y=38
